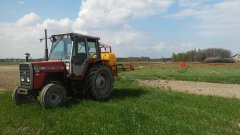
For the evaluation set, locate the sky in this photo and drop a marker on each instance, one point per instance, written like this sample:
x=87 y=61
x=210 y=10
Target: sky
x=134 y=28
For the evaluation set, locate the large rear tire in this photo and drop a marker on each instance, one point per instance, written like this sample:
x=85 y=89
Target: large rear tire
x=17 y=98
x=99 y=82
x=52 y=95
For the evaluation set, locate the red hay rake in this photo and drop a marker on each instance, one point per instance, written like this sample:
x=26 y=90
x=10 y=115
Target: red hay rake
x=181 y=67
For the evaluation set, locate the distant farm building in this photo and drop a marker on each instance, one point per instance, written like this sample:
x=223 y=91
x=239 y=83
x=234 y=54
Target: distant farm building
x=236 y=57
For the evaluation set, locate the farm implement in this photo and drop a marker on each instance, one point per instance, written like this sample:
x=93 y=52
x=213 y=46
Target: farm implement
x=181 y=67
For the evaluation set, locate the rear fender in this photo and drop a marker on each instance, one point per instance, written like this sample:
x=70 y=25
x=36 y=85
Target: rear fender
x=89 y=63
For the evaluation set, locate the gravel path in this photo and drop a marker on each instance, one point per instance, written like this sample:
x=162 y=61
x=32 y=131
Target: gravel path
x=9 y=77
x=201 y=88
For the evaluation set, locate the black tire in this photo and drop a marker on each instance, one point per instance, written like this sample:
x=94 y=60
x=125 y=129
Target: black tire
x=52 y=95
x=17 y=98
x=99 y=82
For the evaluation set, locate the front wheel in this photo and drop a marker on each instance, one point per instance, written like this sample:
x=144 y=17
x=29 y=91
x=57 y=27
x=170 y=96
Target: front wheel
x=52 y=95
x=17 y=98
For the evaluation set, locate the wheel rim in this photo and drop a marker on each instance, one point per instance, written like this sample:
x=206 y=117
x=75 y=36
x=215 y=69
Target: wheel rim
x=55 y=98
x=102 y=83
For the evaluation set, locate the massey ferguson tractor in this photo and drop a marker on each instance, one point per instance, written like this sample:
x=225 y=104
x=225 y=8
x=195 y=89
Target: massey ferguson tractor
x=76 y=64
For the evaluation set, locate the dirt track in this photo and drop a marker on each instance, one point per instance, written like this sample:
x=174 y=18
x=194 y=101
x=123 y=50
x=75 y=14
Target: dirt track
x=201 y=88
x=9 y=76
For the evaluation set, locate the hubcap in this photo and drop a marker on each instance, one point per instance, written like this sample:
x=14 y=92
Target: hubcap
x=100 y=81
x=55 y=98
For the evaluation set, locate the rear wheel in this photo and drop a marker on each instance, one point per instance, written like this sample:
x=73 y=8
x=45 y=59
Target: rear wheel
x=99 y=82
x=52 y=95
x=17 y=98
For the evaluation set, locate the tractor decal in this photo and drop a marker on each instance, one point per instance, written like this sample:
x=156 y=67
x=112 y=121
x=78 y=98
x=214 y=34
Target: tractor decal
x=51 y=68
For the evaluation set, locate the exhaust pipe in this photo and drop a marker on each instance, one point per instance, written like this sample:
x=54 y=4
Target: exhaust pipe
x=46 y=48
x=26 y=56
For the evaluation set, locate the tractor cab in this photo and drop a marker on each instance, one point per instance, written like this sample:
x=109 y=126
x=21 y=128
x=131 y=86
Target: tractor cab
x=75 y=50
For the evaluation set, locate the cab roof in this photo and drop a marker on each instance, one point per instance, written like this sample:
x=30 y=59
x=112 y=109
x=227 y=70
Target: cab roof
x=76 y=35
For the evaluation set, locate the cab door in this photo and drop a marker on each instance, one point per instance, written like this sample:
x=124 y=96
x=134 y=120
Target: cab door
x=93 y=49
x=79 y=56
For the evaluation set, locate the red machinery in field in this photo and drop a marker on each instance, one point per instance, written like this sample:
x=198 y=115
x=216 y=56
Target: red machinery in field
x=77 y=64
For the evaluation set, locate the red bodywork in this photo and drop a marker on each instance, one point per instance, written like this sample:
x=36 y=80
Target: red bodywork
x=44 y=67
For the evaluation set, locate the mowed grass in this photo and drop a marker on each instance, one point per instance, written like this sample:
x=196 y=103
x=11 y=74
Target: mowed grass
x=130 y=110
x=9 y=63
x=215 y=74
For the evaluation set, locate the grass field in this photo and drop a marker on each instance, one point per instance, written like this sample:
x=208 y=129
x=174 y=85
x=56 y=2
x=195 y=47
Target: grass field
x=131 y=110
x=9 y=63
x=215 y=74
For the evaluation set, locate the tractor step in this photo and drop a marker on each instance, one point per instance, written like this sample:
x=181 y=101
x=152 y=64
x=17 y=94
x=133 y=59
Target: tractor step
x=22 y=91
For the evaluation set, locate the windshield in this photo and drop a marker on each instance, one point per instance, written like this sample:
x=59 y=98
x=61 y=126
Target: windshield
x=61 y=49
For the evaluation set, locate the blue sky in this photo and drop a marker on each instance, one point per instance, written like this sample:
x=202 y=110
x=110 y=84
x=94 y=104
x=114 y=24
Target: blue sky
x=134 y=28
x=12 y=10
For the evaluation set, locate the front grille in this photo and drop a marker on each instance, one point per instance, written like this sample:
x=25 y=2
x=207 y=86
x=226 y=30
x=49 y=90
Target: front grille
x=25 y=76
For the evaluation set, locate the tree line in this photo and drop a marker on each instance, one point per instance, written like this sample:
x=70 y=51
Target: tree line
x=202 y=55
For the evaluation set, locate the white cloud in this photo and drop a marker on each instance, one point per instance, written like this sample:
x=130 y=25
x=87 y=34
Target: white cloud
x=21 y=2
x=54 y=26
x=159 y=47
x=112 y=14
x=108 y=19
x=16 y=41
x=28 y=20
x=181 y=47
x=195 y=4
x=216 y=19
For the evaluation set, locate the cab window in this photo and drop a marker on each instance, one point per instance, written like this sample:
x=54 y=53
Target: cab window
x=92 y=49
x=79 y=52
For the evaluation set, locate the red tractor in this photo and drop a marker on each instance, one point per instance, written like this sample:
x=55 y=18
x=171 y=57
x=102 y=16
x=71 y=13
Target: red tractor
x=76 y=64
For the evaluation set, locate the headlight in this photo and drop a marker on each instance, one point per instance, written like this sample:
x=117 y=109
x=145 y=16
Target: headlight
x=28 y=79
x=22 y=79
